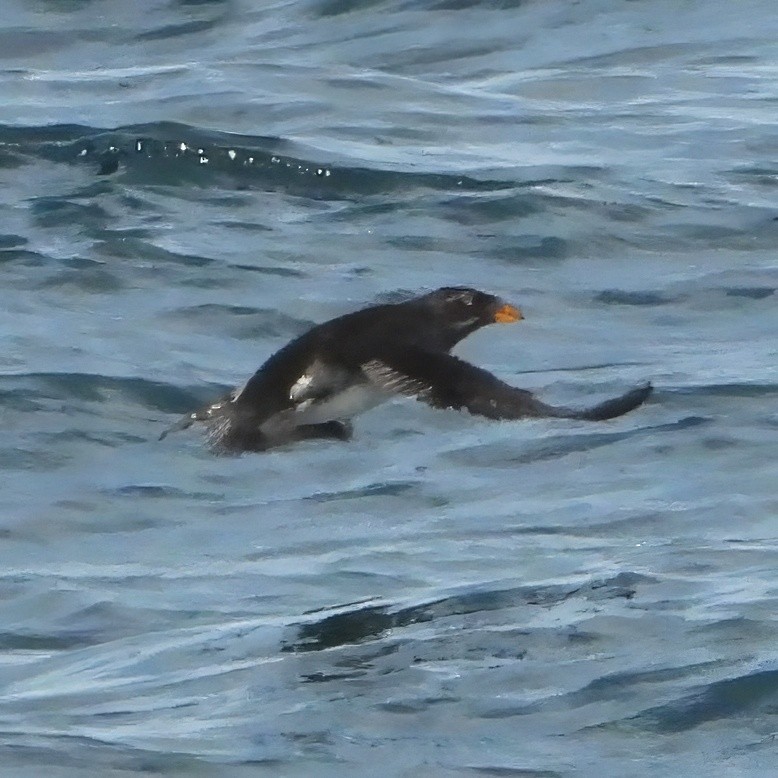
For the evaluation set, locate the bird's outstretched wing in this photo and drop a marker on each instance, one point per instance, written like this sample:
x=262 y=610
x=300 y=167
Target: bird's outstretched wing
x=444 y=381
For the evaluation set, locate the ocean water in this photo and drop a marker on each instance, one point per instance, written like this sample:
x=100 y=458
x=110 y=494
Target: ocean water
x=185 y=185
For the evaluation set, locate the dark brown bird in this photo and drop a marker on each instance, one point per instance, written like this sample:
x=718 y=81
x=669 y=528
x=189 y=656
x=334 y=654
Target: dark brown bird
x=317 y=383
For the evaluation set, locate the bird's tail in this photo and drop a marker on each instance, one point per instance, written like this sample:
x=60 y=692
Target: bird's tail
x=182 y=424
x=210 y=414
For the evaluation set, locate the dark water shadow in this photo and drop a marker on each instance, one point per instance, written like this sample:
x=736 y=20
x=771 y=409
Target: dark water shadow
x=747 y=695
x=365 y=623
x=558 y=446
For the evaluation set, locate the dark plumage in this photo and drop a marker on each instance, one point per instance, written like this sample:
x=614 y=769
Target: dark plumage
x=313 y=386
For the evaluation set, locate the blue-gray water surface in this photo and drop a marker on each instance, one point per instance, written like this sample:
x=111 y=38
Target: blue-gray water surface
x=185 y=185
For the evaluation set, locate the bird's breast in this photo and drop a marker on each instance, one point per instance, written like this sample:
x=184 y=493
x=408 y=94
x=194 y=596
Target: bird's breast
x=342 y=404
x=338 y=405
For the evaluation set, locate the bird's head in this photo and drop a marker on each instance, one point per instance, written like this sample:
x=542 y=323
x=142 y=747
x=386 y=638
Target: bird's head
x=460 y=310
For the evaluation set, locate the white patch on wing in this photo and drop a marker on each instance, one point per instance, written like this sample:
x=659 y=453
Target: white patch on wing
x=318 y=381
x=300 y=387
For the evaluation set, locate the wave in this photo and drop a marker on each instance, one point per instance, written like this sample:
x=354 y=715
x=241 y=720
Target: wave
x=172 y=154
x=31 y=391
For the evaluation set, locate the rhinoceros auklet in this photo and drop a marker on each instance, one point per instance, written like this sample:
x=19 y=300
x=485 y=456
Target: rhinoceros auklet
x=313 y=386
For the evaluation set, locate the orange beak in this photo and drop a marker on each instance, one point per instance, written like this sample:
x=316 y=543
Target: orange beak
x=508 y=314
